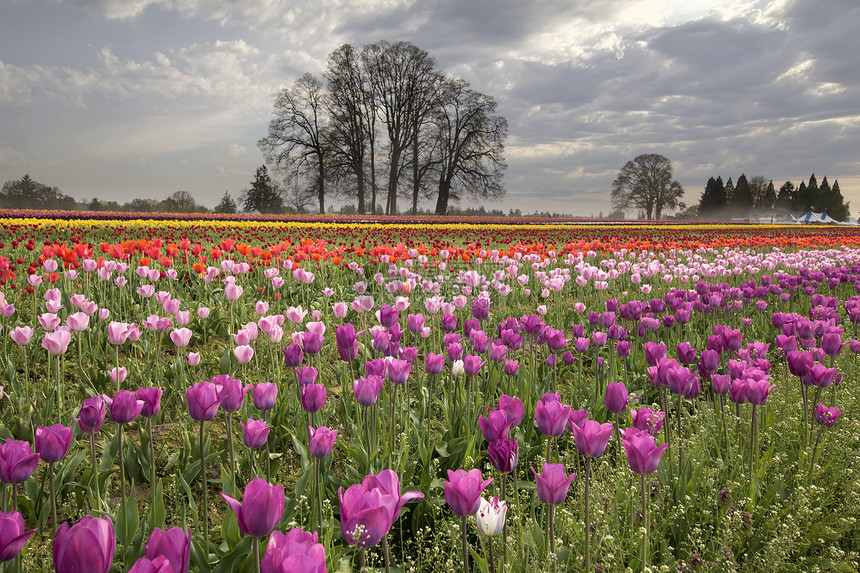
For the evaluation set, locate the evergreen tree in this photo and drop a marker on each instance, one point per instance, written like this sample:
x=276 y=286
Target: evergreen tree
x=834 y=201
x=787 y=195
x=809 y=199
x=769 y=199
x=227 y=205
x=730 y=191
x=742 y=199
x=800 y=198
x=713 y=199
x=264 y=195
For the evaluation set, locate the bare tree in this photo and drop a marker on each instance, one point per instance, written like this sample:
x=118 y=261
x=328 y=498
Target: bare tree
x=646 y=183
x=471 y=140
x=352 y=113
x=403 y=78
x=297 y=136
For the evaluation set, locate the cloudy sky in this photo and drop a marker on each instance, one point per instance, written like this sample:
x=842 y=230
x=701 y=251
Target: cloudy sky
x=139 y=98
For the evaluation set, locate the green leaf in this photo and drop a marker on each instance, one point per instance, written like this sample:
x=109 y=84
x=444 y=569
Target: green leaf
x=159 y=512
x=127 y=520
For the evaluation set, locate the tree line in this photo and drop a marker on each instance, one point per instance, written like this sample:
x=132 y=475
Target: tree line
x=380 y=124
x=739 y=198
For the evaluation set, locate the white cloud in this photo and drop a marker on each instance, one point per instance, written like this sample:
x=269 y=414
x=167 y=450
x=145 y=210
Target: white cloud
x=237 y=150
x=11 y=157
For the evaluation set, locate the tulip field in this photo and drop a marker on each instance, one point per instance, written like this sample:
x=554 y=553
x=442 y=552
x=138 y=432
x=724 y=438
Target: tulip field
x=420 y=395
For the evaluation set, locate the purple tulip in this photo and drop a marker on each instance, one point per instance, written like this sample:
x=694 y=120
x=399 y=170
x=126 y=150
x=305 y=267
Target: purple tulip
x=265 y=395
x=12 y=535
x=623 y=348
x=592 y=437
x=293 y=355
x=52 y=443
x=820 y=376
x=647 y=420
x=306 y=375
x=92 y=415
x=364 y=519
x=758 y=390
x=684 y=381
x=151 y=398
x=434 y=363
x=313 y=397
x=576 y=418
x=494 y=426
x=124 y=407
x=513 y=408
x=298 y=550
x=553 y=483
x=616 y=397
x=87 y=545
x=388 y=315
x=261 y=508
x=504 y=454
x=463 y=491
x=454 y=350
x=643 y=454
x=347 y=342
x=397 y=370
x=173 y=544
x=472 y=364
x=375 y=367
x=738 y=391
x=449 y=322
x=551 y=415
x=322 y=441
x=387 y=484
x=311 y=342
x=823 y=415
x=255 y=433
x=654 y=352
x=158 y=565
x=230 y=392
x=720 y=383
x=481 y=308
x=203 y=401
x=367 y=389
x=511 y=367
x=415 y=322
x=686 y=353
x=17 y=461
x=710 y=360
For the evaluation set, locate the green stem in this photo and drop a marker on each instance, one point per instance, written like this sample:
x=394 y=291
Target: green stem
x=646 y=522
x=386 y=554
x=491 y=557
x=257 y=554
x=753 y=456
x=95 y=468
x=587 y=528
x=205 y=495
x=230 y=447
x=151 y=465
x=319 y=494
x=551 y=534
x=53 y=495
x=465 y=541
x=121 y=463
x=814 y=451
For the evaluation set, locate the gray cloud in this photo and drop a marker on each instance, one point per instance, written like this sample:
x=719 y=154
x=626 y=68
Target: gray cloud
x=757 y=87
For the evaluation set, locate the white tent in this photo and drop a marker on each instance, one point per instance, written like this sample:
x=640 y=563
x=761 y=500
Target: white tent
x=812 y=217
x=851 y=221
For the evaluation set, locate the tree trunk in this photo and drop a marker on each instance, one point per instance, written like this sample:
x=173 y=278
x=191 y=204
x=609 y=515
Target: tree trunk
x=391 y=207
x=321 y=187
x=442 y=200
x=415 y=178
x=361 y=207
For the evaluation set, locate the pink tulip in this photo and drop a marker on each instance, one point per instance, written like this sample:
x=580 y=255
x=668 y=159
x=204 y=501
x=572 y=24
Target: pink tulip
x=117 y=332
x=243 y=353
x=57 y=342
x=21 y=335
x=193 y=358
x=181 y=337
x=78 y=321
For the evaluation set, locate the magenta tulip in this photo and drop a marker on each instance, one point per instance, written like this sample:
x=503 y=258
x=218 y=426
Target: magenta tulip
x=553 y=484
x=92 y=415
x=203 y=401
x=255 y=433
x=643 y=454
x=12 y=535
x=463 y=491
x=17 y=461
x=174 y=545
x=296 y=551
x=87 y=545
x=321 y=441
x=261 y=508
x=504 y=454
x=52 y=442
x=592 y=437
